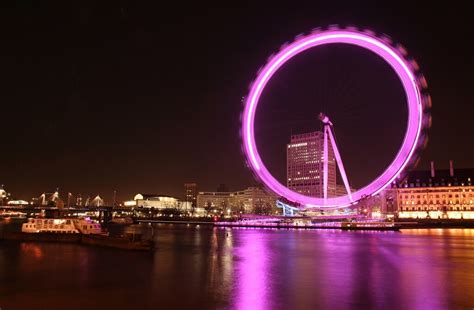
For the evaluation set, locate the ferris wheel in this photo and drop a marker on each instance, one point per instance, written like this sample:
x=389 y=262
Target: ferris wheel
x=415 y=138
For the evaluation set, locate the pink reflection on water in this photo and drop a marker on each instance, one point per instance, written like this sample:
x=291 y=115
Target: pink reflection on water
x=251 y=272
x=426 y=288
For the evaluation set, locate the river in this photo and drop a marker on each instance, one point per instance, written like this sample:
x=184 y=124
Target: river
x=201 y=267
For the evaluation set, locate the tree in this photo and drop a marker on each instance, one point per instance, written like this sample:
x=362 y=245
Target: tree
x=208 y=207
x=262 y=208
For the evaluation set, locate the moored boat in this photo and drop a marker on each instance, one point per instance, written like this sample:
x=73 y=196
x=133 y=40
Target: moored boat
x=82 y=230
x=87 y=227
x=52 y=226
x=53 y=230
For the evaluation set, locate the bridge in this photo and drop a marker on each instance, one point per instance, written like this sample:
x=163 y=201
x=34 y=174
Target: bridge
x=104 y=213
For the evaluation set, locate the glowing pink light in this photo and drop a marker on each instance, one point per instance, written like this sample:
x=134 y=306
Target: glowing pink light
x=353 y=37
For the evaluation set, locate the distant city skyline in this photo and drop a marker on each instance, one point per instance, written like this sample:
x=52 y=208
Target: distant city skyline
x=107 y=98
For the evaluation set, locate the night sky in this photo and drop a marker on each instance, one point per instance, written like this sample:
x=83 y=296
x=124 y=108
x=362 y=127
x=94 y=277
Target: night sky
x=142 y=98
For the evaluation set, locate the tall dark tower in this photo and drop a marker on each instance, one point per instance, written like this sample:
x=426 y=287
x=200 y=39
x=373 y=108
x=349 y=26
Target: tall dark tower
x=190 y=194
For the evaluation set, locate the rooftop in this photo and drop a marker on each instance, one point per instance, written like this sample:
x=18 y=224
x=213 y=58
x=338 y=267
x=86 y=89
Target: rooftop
x=442 y=177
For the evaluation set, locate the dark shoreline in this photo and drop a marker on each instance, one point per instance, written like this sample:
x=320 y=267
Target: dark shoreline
x=435 y=223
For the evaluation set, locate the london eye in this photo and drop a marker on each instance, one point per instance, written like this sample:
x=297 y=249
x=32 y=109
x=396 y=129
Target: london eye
x=418 y=105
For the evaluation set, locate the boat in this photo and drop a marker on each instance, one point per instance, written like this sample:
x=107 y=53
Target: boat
x=82 y=230
x=83 y=226
x=50 y=226
x=88 y=227
x=53 y=230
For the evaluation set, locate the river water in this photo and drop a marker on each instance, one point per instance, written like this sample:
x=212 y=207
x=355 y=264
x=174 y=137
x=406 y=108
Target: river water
x=201 y=267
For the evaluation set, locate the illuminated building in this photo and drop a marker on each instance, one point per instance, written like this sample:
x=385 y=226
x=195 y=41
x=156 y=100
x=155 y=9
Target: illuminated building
x=440 y=194
x=304 y=161
x=254 y=200
x=190 y=194
x=214 y=200
x=156 y=201
x=380 y=205
x=249 y=200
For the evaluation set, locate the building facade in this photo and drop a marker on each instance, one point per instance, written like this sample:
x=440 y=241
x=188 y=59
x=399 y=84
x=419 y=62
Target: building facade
x=214 y=200
x=190 y=194
x=159 y=202
x=440 y=194
x=254 y=200
x=382 y=205
x=305 y=156
x=250 y=200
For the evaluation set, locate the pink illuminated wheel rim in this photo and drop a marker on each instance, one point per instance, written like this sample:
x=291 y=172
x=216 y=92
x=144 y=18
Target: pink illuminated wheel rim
x=413 y=84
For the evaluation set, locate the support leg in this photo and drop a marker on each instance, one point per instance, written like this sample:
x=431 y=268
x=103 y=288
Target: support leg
x=325 y=164
x=339 y=162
